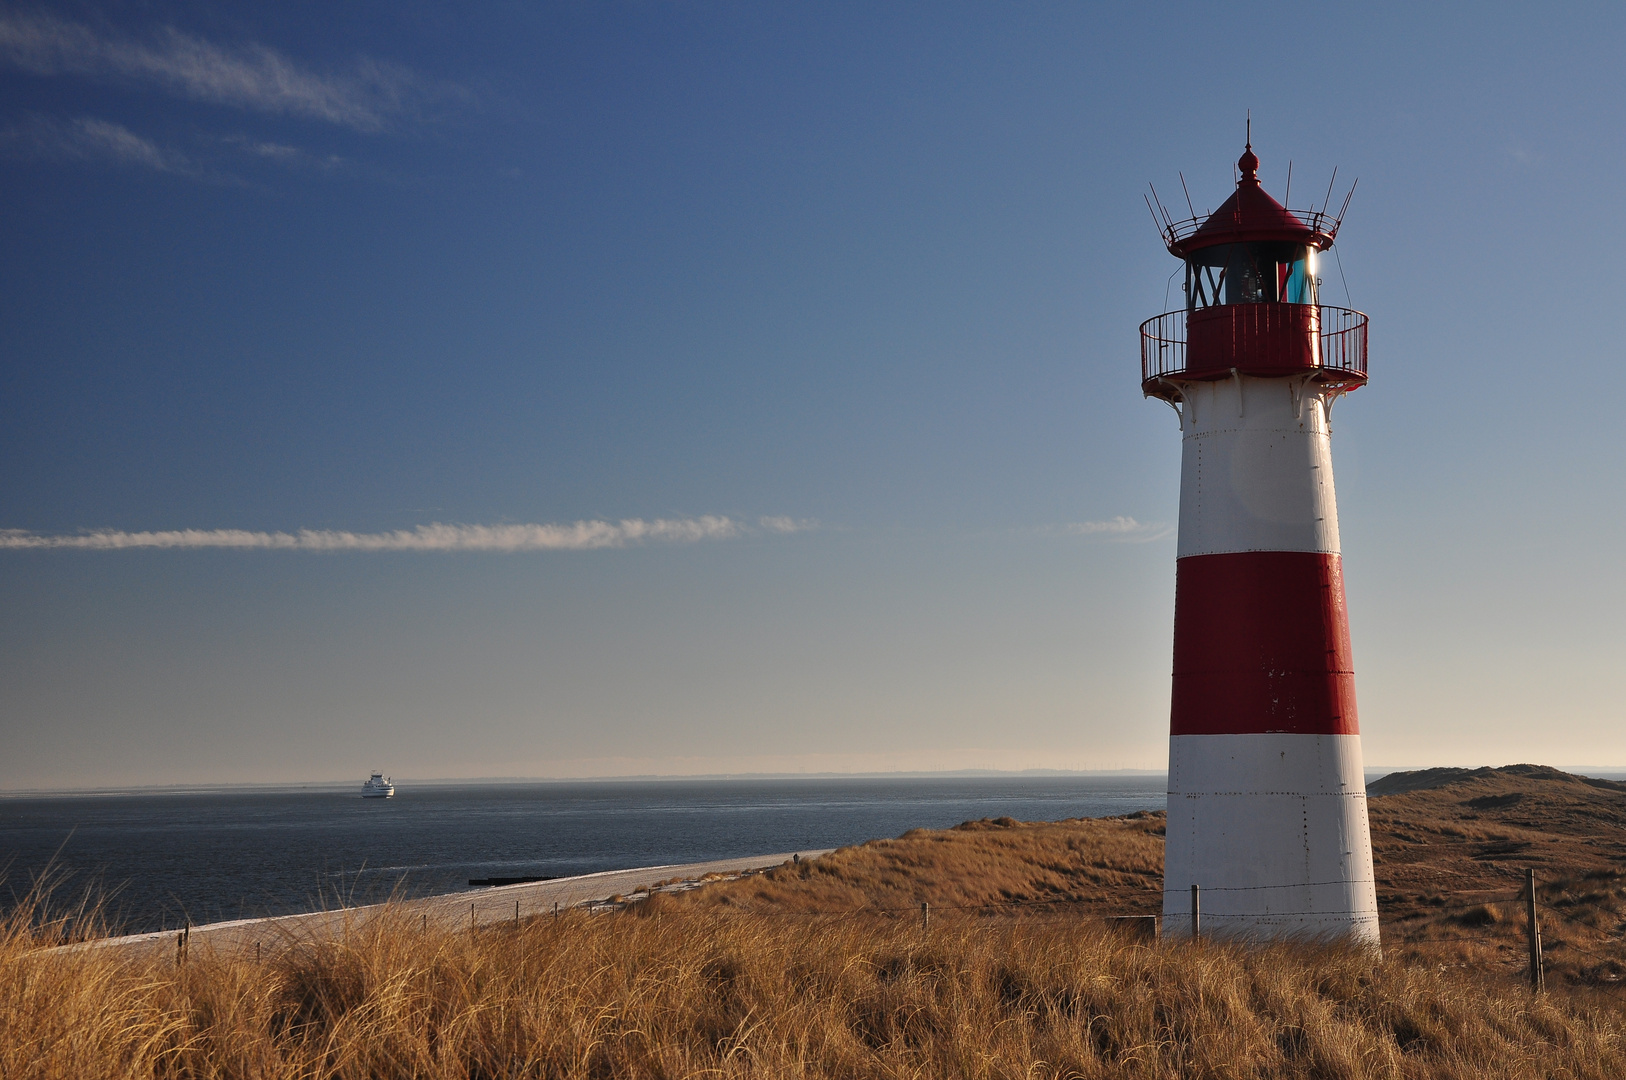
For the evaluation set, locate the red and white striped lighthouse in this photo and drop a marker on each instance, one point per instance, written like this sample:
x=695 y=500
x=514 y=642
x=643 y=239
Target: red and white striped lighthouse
x=1267 y=798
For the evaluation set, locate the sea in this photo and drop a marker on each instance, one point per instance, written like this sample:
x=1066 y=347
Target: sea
x=161 y=859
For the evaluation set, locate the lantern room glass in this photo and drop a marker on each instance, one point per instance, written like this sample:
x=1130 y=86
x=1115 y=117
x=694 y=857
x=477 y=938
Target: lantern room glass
x=1259 y=273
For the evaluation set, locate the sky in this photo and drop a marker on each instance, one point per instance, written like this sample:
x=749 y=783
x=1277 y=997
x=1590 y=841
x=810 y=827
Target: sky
x=597 y=389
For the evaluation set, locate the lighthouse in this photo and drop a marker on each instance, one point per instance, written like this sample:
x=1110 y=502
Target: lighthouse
x=1267 y=797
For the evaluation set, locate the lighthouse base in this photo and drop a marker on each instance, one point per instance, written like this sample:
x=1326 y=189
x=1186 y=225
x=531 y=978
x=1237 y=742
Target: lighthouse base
x=1272 y=828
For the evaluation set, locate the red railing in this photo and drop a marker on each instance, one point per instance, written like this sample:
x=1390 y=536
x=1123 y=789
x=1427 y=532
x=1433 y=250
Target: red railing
x=1320 y=222
x=1343 y=341
x=1340 y=345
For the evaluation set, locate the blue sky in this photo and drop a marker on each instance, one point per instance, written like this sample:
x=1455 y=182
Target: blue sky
x=823 y=319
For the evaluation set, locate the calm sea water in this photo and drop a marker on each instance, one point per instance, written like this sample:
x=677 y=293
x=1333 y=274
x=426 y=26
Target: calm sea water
x=206 y=856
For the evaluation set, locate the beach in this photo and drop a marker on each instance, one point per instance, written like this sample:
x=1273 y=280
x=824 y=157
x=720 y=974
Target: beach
x=470 y=909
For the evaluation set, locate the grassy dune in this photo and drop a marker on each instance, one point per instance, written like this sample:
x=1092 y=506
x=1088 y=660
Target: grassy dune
x=1099 y=866
x=1451 y=847
x=750 y=978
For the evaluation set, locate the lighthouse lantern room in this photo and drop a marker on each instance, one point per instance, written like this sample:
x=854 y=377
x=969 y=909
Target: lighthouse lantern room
x=1267 y=797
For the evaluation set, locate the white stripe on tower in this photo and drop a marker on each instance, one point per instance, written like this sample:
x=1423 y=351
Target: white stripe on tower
x=1267 y=799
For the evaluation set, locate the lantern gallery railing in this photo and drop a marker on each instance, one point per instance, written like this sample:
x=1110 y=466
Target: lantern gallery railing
x=1336 y=345
x=1322 y=224
x=1343 y=341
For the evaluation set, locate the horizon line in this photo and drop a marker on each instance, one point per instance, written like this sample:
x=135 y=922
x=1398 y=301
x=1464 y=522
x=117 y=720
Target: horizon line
x=900 y=774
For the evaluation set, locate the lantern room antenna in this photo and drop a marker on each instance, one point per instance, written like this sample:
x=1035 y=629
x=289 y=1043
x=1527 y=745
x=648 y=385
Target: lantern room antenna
x=1161 y=216
x=1155 y=222
x=1342 y=209
x=1328 y=200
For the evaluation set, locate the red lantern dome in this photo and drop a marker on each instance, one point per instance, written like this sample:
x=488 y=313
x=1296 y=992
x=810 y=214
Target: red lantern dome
x=1250 y=216
x=1253 y=304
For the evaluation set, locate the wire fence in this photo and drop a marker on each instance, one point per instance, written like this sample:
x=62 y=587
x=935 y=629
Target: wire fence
x=1482 y=929
x=1457 y=907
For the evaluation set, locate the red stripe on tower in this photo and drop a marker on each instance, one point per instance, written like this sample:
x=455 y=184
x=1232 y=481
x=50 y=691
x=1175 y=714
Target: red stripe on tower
x=1261 y=643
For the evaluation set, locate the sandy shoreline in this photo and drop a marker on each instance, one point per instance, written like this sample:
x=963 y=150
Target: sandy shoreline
x=475 y=907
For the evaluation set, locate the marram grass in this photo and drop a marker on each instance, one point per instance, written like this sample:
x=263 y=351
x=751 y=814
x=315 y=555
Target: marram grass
x=675 y=990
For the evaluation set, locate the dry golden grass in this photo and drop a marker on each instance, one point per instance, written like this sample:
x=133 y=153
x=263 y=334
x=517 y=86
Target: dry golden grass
x=1105 y=866
x=1451 y=848
x=706 y=992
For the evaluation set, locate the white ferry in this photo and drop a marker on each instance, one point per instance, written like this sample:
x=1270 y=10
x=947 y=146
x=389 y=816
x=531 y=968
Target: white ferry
x=376 y=787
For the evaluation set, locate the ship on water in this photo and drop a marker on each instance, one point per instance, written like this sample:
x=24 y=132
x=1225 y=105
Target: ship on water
x=376 y=787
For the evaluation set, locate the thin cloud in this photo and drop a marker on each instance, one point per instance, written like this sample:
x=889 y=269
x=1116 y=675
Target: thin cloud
x=281 y=153
x=576 y=536
x=786 y=524
x=274 y=151
x=251 y=76
x=1121 y=528
x=88 y=138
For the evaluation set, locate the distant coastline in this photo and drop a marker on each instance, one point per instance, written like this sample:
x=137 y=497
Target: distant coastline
x=1373 y=772
x=640 y=778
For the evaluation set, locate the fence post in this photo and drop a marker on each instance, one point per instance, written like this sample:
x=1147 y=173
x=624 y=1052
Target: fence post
x=1196 y=916
x=556 y=911
x=516 y=912
x=471 y=918
x=1538 y=982
x=925 y=913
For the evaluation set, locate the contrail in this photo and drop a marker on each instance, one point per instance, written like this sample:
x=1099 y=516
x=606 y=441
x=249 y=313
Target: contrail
x=576 y=536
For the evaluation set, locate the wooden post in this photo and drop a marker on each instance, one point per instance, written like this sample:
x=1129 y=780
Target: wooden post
x=925 y=914
x=256 y=952
x=516 y=912
x=471 y=918
x=556 y=911
x=1538 y=982
x=1196 y=916
x=426 y=922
